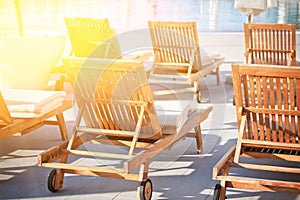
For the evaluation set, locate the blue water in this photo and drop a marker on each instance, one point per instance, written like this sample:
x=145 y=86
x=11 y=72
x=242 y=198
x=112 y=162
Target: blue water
x=210 y=15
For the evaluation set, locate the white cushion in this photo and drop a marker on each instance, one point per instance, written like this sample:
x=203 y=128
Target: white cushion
x=31 y=103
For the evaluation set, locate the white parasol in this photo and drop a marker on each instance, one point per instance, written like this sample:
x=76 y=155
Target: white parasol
x=253 y=7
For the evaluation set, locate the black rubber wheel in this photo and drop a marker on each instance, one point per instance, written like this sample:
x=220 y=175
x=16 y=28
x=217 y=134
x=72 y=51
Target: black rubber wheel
x=146 y=190
x=51 y=181
x=217 y=191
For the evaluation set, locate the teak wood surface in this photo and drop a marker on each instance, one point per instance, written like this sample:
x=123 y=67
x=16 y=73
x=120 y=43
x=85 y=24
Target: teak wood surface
x=273 y=44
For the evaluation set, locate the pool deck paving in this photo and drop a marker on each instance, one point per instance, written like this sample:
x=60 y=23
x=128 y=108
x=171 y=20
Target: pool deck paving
x=178 y=173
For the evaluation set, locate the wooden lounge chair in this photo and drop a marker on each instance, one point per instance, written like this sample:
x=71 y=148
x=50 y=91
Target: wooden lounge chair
x=116 y=108
x=273 y=44
x=89 y=37
x=177 y=52
x=95 y=38
x=270 y=44
x=23 y=111
x=267 y=106
x=92 y=38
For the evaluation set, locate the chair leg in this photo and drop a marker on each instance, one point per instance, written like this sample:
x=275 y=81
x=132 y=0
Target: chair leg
x=144 y=190
x=197 y=93
x=223 y=190
x=218 y=75
x=198 y=136
x=59 y=178
x=62 y=126
x=56 y=177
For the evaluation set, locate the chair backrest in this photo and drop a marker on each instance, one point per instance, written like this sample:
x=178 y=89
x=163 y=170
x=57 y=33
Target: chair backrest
x=112 y=93
x=175 y=42
x=271 y=100
x=91 y=37
x=5 y=117
x=270 y=43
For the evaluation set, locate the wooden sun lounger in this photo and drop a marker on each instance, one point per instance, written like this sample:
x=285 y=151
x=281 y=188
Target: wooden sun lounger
x=177 y=53
x=267 y=106
x=95 y=38
x=273 y=44
x=92 y=37
x=16 y=123
x=116 y=108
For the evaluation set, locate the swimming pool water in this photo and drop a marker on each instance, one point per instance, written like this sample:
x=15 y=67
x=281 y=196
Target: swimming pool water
x=210 y=15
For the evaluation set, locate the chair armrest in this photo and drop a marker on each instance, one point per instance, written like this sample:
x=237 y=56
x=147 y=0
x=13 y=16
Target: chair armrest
x=241 y=127
x=190 y=117
x=222 y=162
x=195 y=51
x=205 y=71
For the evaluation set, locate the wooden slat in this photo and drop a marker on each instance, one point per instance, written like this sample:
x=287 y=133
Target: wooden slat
x=272 y=106
x=298 y=106
x=292 y=105
x=122 y=141
x=271 y=50
x=279 y=106
x=253 y=93
x=110 y=132
x=274 y=111
x=99 y=154
x=92 y=171
x=260 y=184
x=247 y=104
x=259 y=105
x=265 y=167
x=241 y=137
x=286 y=107
x=272 y=155
x=270 y=144
x=255 y=44
x=265 y=94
